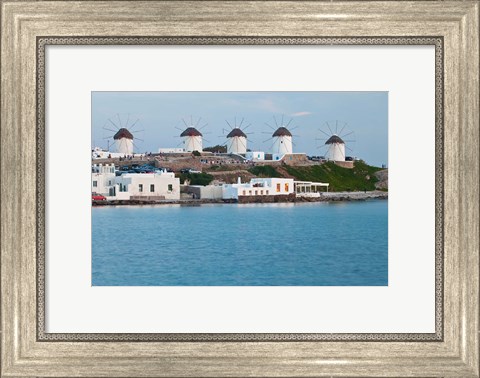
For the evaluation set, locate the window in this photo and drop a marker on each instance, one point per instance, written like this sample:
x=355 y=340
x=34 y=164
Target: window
x=261 y=192
x=250 y=192
x=152 y=188
x=140 y=187
x=266 y=192
x=256 y=192
x=109 y=182
x=286 y=187
x=94 y=184
x=170 y=187
x=278 y=188
x=244 y=192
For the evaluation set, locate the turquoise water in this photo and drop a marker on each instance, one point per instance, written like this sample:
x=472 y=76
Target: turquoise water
x=310 y=244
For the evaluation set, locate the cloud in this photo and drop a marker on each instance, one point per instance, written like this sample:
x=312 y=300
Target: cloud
x=300 y=114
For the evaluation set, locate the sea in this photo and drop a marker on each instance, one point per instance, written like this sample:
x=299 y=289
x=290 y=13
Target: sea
x=279 y=244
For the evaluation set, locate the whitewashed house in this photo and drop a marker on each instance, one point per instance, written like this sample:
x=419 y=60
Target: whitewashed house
x=103 y=179
x=258 y=187
x=255 y=155
x=148 y=186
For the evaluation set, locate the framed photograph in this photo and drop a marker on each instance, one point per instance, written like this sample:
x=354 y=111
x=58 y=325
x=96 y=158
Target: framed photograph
x=240 y=188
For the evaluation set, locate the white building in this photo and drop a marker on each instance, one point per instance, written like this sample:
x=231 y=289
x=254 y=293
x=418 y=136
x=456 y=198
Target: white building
x=255 y=155
x=258 y=187
x=124 y=141
x=204 y=192
x=149 y=186
x=335 y=148
x=170 y=150
x=192 y=139
x=103 y=179
x=283 y=141
x=237 y=141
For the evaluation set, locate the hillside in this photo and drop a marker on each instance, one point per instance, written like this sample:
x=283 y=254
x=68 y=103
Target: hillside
x=361 y=177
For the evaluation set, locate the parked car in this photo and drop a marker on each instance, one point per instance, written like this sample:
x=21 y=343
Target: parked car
x=98 y=197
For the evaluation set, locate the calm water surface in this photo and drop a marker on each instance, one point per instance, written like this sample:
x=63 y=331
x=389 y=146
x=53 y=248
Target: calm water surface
x=311 y=244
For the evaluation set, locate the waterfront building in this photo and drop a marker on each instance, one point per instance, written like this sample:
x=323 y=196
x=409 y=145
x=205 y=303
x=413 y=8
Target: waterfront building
x=258 y=187
x=255 y=155
x=283 y=142
x=211 y=192
x=237 y=141
x=148 y=186
x=124 y=141
x=103 y=179
x=310 y=189
x=192 y=139
x=335 y=148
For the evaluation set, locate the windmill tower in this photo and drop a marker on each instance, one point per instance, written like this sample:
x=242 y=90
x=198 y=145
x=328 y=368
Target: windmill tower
x=335 y=148
x=123 y=138
x=237 y=137
x=334 y=141
x=192 y=139
x=237 y=141
x=124 y=141
x=283 y=142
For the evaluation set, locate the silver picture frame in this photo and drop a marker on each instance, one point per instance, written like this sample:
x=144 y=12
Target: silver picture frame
x=28 y=27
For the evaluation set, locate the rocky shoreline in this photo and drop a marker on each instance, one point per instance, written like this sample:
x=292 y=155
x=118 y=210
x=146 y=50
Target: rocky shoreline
x=324 y=197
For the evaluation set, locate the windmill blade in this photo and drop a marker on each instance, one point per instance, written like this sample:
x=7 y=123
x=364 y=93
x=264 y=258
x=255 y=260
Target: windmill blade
x=246 y=127
x=191 y=120
x=137 y=131
x=350 y=133
x=276 y=124
x=275 y=141
x=291 y=119
x=296 y=136
x=270 y=126
x=119 y=120
x=266 y=132
x=135 y=146
x=241 y=123
x=185 y=123
x=325 y=133
x=114 y=124
x=348 y=148
x=282 y=120
x=350 y=141
x=228 y=123
x=331 y=132
x=203 y=126
x=178 y=128
x=133 y=125
x=206 y=140
x=345 y=124
x=128 y=119
x=111 y=136
x=266 y=140
x=141 y=140
x=179 y=143
x=293 y=128
x=336 y=127
x=243 y=144
x=105 y=128
x=198 y=121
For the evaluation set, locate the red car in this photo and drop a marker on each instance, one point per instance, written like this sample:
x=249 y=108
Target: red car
x=98 y=197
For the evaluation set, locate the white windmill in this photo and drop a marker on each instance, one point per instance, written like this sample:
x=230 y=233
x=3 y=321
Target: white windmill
x=123 y=139
x=283 y=143
x=192 y=137
x=237 y=138
x=334 y=142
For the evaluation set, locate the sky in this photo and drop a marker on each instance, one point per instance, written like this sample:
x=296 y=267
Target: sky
x=156 y=119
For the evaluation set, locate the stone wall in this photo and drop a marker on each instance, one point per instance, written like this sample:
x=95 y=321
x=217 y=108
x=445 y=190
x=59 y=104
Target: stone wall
x=267 y=199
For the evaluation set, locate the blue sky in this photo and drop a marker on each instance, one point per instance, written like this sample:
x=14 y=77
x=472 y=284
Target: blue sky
x=160 y=118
